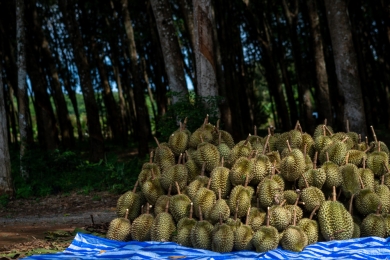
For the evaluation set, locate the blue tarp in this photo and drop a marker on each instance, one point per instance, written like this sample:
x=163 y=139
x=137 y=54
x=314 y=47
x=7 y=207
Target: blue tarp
x=86 y=246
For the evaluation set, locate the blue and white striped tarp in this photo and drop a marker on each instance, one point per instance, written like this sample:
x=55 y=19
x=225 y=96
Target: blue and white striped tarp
x=86 y=246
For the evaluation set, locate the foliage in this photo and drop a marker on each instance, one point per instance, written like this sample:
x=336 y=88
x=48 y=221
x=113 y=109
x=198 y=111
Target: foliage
x=4 y=199
x=64 y=171
x=192 y=106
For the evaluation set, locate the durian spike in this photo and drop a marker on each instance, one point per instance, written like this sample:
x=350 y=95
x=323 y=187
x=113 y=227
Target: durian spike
x=314 y=212
x=347 y=158
x=267 y=216
x=167 y=206
x=378 y=210
x=334 y=193
x=169 y=190
x=235 y=214
x=219 y=194
x=295 y=217
x=347 y=126
x=315 y=160
x=266 y=143
x=350 y=204
x=177 y=187
x=373 y=133
x=152 y=173
x=327 y=129
x=327 y=156
x=191 y=209
x=209 y=183
x=200 y=213
x=127 y=213
x=281 y=204
x=157 y=142
x=288 y=145
x=135 y=187
x=361 y=182
x=247 y=216
x=180 y=158
x=255 y=130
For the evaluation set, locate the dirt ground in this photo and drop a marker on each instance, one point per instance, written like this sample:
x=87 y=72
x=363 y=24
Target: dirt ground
x=44 y=225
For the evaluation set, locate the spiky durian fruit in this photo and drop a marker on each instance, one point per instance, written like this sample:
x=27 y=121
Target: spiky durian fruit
x=176 y=173
x=384 y=194
x=261 y=167
x=209 y=154
x=223 y=148
x=220 y=180
x=295 y=208
x=142 y=225
x=256 y=218
x=293 y=165
x=202 y=134
x=280 y=217
x=322 y=130
x=164 y=156
x=241 y=168
x=152 y=189
x=178 y=141
x=335 y=221
x=201 y=233
x=205 y=199
x=312 y=197
x=290 y=196
x=274 y=158
x=340 y=136
x=374 y=225
x=243 y=236
x=310 y=227
x=220 y=211
x=131 y=201
x=241 y=195
x=179 y=205
x=378 y=162
x=163 y=226
x=350 y=175
x=367 y=201
x=147 y=168
x=268 y=190
x=184 y=227
x=314 y=177
x=307 y=144
x=119 y=228
x=333 y=175
x=241 y=149
x=367 y=176
x=161 y=202
x=336 y=151
x=322 y=140
x=234 y=222
x=294 y=238
x=199 y=182
x=357 y=157
x=266 y=238
x=192 y=167
x=222 y=137
x=222 y=238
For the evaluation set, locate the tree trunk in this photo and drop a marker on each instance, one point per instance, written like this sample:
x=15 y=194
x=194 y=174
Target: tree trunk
x=94 y=127
x=204 y=49
x=170 y=48
x=346 y=65
x=21 y=65
x=324 y=106
x=5 y=160
x=139 y=96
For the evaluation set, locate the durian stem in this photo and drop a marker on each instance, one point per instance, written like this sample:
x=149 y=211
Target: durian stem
x=247 y=140
x=373 y=133
x=222 y=161
x=315 y=160
x=219 y=138
x=345 y=139
x=209 y=183
x=347 y=158
x=334 y=193
x=296 y=201
x=220 y=218
x=167 y=206
x=379 y=146
x=127 y=213
x=347 y=126
x=327 y=129
x=135 y=187
x=266 y=143
x=169 y=190
x=364 y=163
x=219 y=193
x=157 y=142
x=386 y=166
x=269 y=130
x=366 y=141
x=288 y=145
x=378 y=210
x=217 y=126
x=180 y=158
x=152 y=173
x=281 y=204
x=350 y=204
x=191 y=210
x=295 y=217
x=235 y=214
x=314 y=212
x=304 y=178
x=361 y=182
x=247 y=216
x=327 y=156
x=267 y=216
x=255 y=130
x=185 y=123
x=325 y=121
x=368 y=148
x=324 y=130
x=246 y=180
x=360 y=138
x=151 y=157
x=383 y=180
x=177 y=187
x=203 y=169
x=200 y=213
x=181 y=126
x=148 y=208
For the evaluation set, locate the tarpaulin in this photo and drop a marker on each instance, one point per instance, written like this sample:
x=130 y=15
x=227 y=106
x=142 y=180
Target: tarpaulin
x=85 y=246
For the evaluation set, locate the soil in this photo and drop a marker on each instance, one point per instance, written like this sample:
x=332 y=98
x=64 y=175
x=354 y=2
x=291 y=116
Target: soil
x=44 y=225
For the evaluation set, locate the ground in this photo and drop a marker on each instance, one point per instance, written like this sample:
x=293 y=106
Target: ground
x=42 y=225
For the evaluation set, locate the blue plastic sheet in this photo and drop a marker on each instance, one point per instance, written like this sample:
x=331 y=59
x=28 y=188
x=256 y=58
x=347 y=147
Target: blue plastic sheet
x=86 y=246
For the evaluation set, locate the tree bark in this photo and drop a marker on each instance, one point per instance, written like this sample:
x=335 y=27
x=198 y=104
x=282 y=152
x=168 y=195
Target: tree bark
x=94 y=127
x=139 y=96
x=170 y=48
x=5 y=160
x=22 y=97
x=324 y=106
x=204 y=49
x=346 y=66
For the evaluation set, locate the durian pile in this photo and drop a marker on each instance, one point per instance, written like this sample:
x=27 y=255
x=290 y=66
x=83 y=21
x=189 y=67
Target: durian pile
x=291 y=189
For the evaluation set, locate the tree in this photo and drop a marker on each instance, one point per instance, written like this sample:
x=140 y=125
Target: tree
x=346 y=66
x=5 y=161
x=170 y=48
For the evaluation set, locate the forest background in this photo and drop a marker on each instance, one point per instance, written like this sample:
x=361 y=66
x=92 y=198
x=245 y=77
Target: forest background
x=85 y=85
